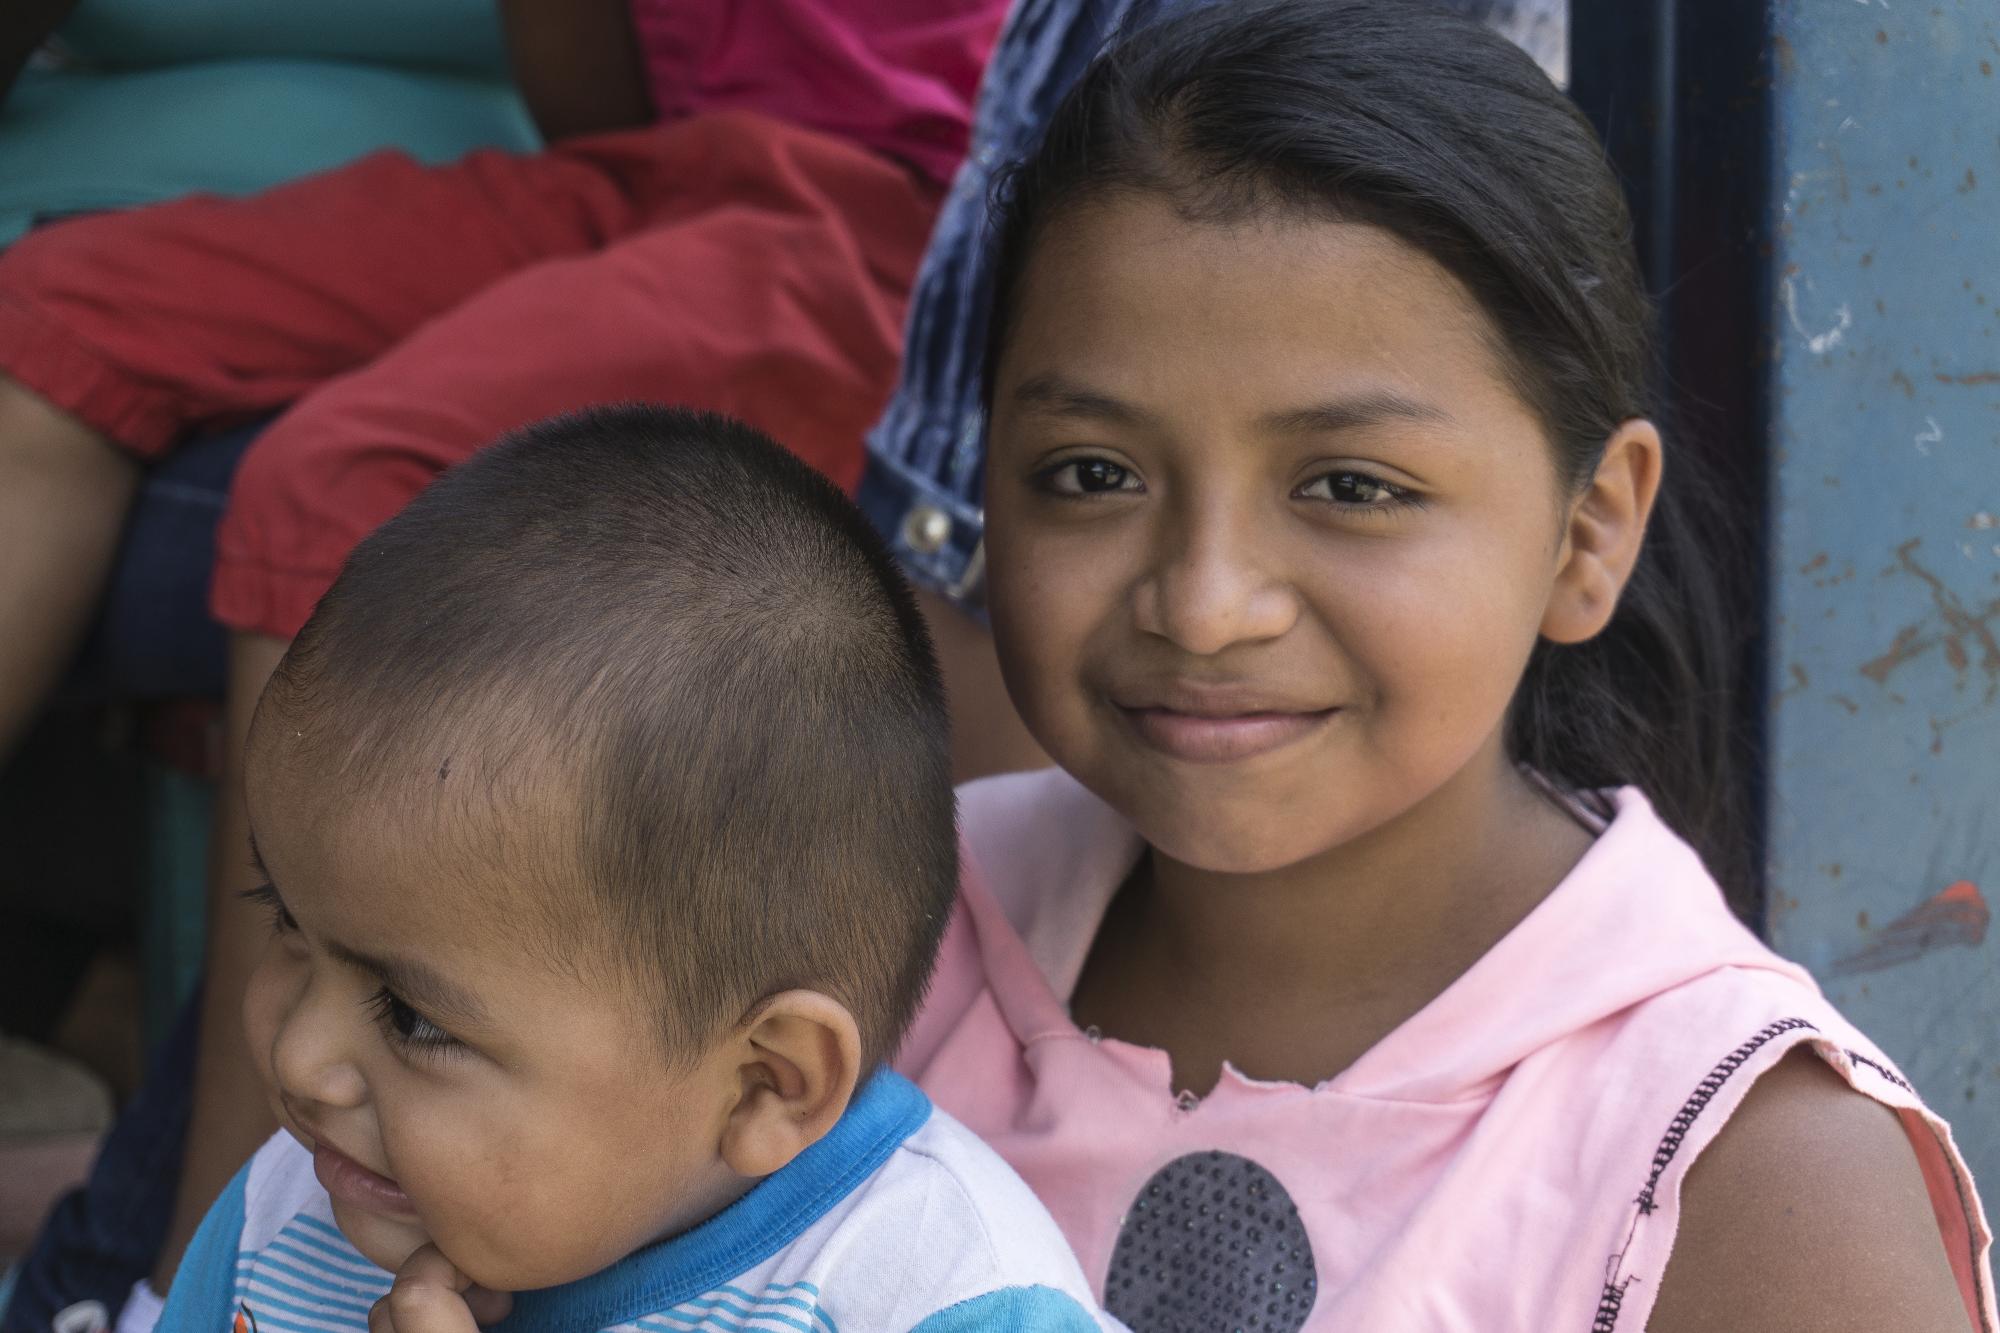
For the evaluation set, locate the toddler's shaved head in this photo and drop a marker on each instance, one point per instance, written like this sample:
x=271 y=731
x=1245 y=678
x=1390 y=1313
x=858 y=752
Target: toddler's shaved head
x=680 y=668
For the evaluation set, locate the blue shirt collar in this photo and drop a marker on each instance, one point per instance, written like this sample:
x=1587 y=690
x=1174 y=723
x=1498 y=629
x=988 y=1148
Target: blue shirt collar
x=771 y=1216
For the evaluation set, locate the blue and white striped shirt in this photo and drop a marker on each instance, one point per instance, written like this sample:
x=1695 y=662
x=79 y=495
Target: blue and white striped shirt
x=899 y=1219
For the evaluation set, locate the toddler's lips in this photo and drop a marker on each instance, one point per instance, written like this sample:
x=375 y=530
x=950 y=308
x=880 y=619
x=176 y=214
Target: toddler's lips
x=350 y=1182
x=1205 y=739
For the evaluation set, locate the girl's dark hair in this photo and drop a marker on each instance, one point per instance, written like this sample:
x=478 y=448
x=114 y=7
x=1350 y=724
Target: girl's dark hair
x=1429 y=125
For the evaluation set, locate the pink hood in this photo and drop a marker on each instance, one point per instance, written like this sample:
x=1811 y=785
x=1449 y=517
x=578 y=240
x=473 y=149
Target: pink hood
x=1509 y=1158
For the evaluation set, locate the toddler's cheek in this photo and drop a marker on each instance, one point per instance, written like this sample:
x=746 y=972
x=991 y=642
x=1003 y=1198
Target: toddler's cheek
x=383 y=1241
x=492 y=1233
x=262 y=1013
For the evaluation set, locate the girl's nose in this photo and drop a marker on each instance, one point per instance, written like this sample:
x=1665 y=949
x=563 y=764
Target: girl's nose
x=1214 y=584
x=310 y=1051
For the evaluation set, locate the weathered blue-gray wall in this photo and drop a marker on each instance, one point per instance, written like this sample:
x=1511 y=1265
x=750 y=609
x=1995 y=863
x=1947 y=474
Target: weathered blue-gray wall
x=1885 y=575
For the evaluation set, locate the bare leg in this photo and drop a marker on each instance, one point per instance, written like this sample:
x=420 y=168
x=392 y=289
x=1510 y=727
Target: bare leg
x=230 y=1118
x=987 y=735
x=64 y=490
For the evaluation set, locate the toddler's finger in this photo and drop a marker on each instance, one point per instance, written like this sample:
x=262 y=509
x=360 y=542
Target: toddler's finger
x=425 y=1298
x=427 y=1266
x=488 y=1307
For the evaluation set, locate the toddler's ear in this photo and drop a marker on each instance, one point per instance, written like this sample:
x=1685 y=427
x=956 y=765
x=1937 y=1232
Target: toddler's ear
x=1607 y=524
x=800 y=1061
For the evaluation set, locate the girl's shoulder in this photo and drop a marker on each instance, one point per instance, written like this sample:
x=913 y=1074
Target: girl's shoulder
x=1809 y=1211
x=1744 y=1077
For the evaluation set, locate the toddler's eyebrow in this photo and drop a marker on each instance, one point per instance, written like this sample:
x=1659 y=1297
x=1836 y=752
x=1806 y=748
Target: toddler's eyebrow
x=442 y=1001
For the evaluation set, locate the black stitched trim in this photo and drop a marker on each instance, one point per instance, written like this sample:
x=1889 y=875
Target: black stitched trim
x=1607 y=1307
x=1881 y=1069
x=1704 y=1092
x=1613 y=1296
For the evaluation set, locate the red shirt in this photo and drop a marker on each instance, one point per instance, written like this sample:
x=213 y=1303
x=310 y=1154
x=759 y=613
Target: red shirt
x=896 y=76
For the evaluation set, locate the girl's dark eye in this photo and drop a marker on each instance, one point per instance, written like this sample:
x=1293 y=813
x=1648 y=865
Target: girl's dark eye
x=266 y=897
x=405 y=1027
x=1356 y=490
x=1088 y=476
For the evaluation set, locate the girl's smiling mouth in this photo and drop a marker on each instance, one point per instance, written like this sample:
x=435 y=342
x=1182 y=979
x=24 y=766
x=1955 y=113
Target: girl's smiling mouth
x=1217 y=724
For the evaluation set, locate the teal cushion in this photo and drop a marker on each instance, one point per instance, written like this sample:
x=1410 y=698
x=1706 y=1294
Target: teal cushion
x=462 y=35
x=72 y=141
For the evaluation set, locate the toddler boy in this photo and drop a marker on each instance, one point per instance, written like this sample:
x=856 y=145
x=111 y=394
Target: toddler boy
x=605 y=812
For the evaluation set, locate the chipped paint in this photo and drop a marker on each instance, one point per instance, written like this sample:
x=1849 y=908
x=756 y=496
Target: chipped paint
x=1930 y=435
x=1823 y=342
x=1909 y=645
x=1960 y=625
x=1955 y=918
x=1890 y=425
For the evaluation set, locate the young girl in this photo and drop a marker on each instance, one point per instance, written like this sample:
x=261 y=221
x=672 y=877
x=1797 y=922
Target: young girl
x=1358 y=968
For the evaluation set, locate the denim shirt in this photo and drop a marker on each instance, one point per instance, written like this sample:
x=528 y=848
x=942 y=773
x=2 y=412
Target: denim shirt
x=922 y=486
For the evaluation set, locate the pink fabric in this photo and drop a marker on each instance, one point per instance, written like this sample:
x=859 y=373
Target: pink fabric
x=896 y=76
x=1510 y=1158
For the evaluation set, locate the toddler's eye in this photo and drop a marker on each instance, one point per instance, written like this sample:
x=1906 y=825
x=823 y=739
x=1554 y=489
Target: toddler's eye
x=1355 y=489
x=1088 y=476
x=405 y=1027
x=266 y=897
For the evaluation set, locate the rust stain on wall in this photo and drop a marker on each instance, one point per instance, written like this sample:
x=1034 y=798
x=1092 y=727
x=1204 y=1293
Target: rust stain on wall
x=1907 y=646
x=1957 y=917
x=1964 y=630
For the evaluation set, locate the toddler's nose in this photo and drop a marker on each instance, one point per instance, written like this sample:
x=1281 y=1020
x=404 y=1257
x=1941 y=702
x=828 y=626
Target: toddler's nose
x=311 y=1057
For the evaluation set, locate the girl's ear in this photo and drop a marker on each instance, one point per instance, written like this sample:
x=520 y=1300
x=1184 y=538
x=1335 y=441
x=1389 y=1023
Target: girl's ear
x=1607 y=523
x=799 y=1064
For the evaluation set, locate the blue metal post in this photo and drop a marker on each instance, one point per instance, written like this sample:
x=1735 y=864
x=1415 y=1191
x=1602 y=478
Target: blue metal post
x=1884 y=622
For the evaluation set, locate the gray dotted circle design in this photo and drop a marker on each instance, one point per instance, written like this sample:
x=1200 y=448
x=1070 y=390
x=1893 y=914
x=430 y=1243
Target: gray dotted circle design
x=1213 y=1242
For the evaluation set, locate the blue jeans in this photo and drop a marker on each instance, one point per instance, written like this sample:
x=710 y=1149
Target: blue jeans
x=154 y=638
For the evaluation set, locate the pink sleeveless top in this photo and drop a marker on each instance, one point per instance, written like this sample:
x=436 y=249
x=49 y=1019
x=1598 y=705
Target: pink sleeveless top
x=1509 y=1158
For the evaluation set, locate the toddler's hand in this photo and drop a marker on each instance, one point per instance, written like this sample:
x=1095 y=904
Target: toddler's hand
x=432 y=1296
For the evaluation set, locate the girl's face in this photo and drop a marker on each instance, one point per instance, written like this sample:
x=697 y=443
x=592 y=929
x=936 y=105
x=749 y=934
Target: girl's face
x=1270 y=538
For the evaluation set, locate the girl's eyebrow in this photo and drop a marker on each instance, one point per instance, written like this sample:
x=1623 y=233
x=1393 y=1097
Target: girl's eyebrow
x=1059 y=396
x=1366 y=408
